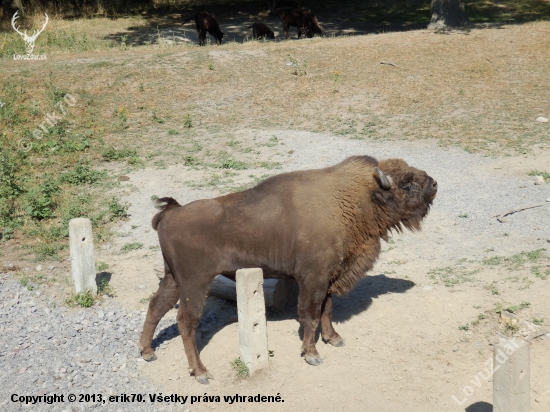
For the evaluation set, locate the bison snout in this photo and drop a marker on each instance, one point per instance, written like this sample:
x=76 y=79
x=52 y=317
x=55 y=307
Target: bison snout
x=434 y=185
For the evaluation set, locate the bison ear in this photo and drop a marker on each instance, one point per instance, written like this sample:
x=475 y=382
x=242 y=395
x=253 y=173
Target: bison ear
x=380 y=197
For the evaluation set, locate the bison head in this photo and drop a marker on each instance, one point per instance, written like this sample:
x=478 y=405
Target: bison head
x=405 y=193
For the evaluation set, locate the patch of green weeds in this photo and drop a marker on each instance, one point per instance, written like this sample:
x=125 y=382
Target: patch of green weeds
x=240 y=367
x=464 y=327
x=538 y=321
x=116 y=209
x=102 y=266
x=187 y=122
x=132 y=246
x=172 y=132
x=271 y=165
x=451 y=276
x=545 y=175
x=517 y=308
x=83 y=299
x=82 y=174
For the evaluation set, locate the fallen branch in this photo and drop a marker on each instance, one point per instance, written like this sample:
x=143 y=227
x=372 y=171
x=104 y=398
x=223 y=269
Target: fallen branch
x=390 y=63
x=519 y=209
x=537 y=334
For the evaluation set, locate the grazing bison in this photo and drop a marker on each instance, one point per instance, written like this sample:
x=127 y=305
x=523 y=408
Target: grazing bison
x=206 y=22
x=321 y=227
x=261 y=30
x=303 y=19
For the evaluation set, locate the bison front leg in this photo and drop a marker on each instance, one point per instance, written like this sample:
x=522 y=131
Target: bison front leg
x=327 y=330
x=164 y=299
x=309 y=311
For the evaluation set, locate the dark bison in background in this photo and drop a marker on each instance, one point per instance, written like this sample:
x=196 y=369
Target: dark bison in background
x=206 y=22
x=321 y=227
x=302 y=18
x=261 y=30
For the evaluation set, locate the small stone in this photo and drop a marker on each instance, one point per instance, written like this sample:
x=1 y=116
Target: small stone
x=539 y=180
x=542 y=119
x=51 y=267
x=427 y=288
x=548 y=199
x=100 y=314
x=455 y=350
x=38 y=268
x=508 y=318
x=123 y=178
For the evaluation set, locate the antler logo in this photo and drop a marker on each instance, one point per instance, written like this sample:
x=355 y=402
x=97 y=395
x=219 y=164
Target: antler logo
x=29 y=40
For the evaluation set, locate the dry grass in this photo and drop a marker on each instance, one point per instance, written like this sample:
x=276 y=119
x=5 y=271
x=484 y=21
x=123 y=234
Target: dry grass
x=481 y=90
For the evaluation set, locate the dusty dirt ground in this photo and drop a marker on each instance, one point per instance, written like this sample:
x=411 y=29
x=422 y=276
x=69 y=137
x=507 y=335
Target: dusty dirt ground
x=404 y=349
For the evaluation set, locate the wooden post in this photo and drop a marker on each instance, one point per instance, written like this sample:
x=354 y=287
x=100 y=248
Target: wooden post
x=82 y=255
x=511 y=376
x=252 y=323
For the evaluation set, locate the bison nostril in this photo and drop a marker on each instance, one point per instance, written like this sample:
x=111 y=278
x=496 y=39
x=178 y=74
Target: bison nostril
x=434 y=185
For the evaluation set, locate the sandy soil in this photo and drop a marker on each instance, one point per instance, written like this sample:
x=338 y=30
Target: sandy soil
x=404 y=349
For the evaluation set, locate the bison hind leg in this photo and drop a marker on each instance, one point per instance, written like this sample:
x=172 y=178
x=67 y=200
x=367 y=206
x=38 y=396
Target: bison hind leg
x=163 y=300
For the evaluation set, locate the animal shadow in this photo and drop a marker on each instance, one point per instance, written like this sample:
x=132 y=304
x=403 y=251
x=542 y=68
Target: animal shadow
x=344 y=308
x=479 y=407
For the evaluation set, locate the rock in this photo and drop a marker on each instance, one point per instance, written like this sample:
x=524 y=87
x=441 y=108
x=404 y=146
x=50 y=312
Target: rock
x=51 y=267
x=143 y=286
x=539 y=180
x=123 y=178
x=508 y=318
x=542 y=119
x=38 y=268
x=548 y=199
x=427 y=288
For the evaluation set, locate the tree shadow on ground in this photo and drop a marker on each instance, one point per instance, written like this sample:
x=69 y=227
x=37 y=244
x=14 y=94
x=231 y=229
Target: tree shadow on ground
x=344 y=308
x=167 y=29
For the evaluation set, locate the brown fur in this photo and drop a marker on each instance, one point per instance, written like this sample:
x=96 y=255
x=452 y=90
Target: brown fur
x=321 y=227
x=261 y=30
x=301 y=18
x=206 y=22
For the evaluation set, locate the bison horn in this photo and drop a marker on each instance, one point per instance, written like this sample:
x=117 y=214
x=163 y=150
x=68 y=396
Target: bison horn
x=386 y=181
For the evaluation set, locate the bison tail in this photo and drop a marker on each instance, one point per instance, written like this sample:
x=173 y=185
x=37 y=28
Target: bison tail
x=164 y=203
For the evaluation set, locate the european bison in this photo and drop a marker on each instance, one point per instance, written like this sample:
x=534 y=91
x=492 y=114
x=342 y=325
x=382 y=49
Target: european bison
x=206 y=22
x=321 y=227
x=261 y=30
x=301 y=18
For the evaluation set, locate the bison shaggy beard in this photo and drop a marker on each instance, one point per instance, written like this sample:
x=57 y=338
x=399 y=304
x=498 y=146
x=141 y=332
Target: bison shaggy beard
x=320 y=227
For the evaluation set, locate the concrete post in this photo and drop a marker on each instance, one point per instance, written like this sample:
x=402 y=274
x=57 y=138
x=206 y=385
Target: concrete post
x=252 y=323
x=82 y=255
x=511 y=377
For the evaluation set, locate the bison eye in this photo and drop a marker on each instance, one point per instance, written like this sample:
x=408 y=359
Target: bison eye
x=405 y=186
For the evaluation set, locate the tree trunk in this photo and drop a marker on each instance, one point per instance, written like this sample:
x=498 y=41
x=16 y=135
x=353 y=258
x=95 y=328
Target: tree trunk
x=9 y=8
x=447 y=14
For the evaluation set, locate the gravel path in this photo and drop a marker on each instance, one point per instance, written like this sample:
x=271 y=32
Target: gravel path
x=46 y=350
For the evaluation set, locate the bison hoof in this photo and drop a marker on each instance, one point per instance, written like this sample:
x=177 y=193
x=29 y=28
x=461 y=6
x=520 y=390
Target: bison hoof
x=149 y=358
x=204 y=378
x=314 y=360
x=337 y=342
